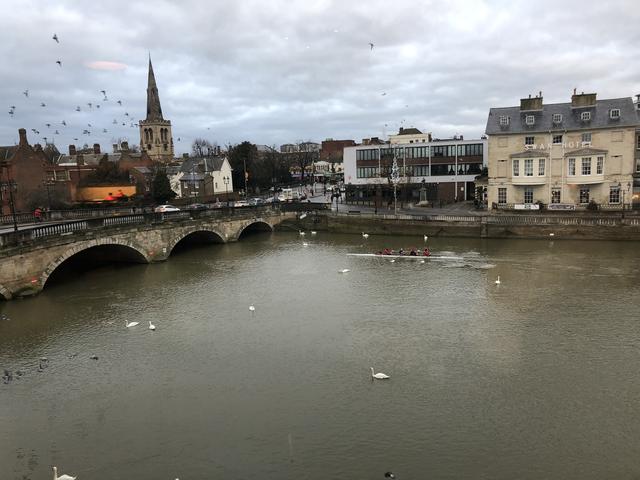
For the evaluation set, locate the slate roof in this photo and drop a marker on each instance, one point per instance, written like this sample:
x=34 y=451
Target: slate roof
x=409 y=131
x=571 y=117
x=190 y=164
x=192 y=177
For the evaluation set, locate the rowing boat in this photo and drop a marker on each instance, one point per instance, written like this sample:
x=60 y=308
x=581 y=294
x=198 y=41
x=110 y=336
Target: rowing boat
x=411 y=257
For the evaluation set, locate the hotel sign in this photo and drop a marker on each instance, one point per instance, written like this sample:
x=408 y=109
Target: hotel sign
x=561 y=206
x=526 y=206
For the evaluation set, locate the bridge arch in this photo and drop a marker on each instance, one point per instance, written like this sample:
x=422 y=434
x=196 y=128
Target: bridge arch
x=198 y=235
x=254 y=225
x=128 y=251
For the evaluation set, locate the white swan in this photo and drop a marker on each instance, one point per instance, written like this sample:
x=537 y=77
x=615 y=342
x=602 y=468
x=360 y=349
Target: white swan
x=421 y=261
x=302 y=234
x=379 y=375
x=392 y=260
x=344 y=270
x=252 y=308
x=130 y=324
x=426 y=237
x=498 y=282
x=62 y=477
x=305 y=244
x=551 y=234
x=313 y=232
x=151 y=326
x=365 y=235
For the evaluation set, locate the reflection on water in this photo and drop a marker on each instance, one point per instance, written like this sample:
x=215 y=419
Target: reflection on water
x=532 y=378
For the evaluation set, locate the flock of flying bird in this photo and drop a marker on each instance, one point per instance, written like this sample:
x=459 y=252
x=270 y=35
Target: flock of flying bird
x=86 y=129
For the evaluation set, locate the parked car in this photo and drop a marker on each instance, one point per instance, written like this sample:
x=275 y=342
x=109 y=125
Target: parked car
x=197 y=206
x=256 y=201
x=166 y=208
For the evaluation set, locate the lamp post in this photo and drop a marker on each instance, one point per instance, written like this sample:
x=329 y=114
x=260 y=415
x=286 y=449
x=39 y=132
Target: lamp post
x=395 y=178
x=9 y=186
x=48 y=184
x=621 y=187
x=225 y=180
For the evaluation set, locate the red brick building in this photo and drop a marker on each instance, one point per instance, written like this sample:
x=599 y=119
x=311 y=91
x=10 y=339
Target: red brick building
x=331 y=150
x=23 y=172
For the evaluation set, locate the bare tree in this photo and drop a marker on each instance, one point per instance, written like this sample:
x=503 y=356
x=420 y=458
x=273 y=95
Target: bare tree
x=204 y=148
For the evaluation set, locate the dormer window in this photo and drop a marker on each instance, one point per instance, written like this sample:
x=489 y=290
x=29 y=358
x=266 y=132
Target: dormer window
x=585 y=116
x=530 y=120
x=504 y=120
x=614 y=113
x=557 y=118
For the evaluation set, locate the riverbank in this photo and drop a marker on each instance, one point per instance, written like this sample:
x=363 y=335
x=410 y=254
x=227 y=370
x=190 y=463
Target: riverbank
x=573 y=227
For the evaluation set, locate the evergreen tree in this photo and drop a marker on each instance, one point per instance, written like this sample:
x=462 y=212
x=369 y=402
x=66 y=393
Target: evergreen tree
x=161 y=188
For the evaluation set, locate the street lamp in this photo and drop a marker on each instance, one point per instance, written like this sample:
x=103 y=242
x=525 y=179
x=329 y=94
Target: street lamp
x=48 y=184
x=11 y=187
x=395 y=178
x=620 y=186
x=225 y=180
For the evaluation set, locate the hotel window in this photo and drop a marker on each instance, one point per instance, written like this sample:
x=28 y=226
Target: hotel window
x=528 y=195
x=528 y=167
x=557 y=139
x=530 y=119
x=502 y=196
x=555 y=195
x=614 y=195
x=504 y=120
x=585 y=116
x=586 y=137
x=557 y=118
x=571 y=171
x=614 y=113
x=516 y=167
x=541 y=167
x=586 y=166
x=584 y=195
x=599 y=165
x=473 y=149
x=367 y=154
x=421 y=170
x=529 y=140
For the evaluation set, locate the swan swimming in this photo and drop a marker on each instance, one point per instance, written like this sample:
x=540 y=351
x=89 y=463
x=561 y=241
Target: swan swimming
x=151 y=326
x=426 y=237
x=252 y=308
x=62 y=477
x=365 y=235
x=313 y=232
x=498 y=282
x=130 y=324
x=344 y=270
x=379 y=375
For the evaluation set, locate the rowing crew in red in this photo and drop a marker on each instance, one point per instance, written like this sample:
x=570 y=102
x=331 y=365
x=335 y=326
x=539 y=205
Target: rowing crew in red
x=413 y=252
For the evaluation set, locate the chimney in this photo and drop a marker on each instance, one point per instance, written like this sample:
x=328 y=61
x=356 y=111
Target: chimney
x=124 y=146
x=96 y=148
x=80 y=160
x=23 y=137
x=37 y=147
x=72 y=150
x=527 y=104
x=401 y=131
x=583 y=100
x=115 y=148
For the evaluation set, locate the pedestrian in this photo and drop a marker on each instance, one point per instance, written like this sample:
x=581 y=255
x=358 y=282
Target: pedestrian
x=38 y=214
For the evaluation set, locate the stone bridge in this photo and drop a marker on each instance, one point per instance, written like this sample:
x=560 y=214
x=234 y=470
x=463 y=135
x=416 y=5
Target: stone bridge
x=28 y=258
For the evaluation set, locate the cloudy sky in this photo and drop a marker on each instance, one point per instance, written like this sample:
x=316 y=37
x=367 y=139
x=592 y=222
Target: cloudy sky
x=279 y=71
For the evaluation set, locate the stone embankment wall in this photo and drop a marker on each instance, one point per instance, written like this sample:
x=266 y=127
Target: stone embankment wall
x=499 y=226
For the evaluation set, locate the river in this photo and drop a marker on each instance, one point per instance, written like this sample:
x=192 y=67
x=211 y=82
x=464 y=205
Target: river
x=534 y=378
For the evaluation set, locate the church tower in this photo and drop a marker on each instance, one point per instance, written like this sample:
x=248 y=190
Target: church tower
x=155 y=131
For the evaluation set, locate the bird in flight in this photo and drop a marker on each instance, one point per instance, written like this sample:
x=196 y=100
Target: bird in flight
x=78 y=108
x=97 y=106
x=371 y=45
x=10 y=112
x=104 y=130
x=115 y=122
x=26 y=93
x=48 y=125
x=56 y=132
x=119 y=102
x=64 y=123
x=43 y=104
x=59 y=62
x=103 y=92
x=89 y=104
x=126 y=114
x=55 y=37
x=384 y=93
x=89 y=125
x=75 y=139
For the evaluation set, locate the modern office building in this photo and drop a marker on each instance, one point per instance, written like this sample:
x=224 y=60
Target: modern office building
x=435 y=171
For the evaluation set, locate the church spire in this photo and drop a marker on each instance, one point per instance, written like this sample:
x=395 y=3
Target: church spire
x=154 y=111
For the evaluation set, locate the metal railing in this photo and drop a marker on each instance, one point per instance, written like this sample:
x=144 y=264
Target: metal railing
x=28 y=235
